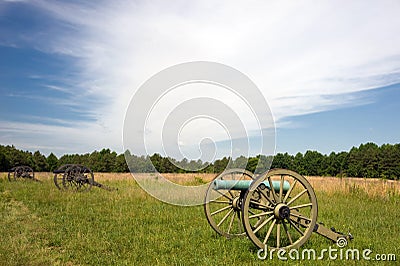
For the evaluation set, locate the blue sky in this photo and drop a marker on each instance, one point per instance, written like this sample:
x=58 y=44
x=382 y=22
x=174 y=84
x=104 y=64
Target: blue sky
x=329 y=71
x=340 y=129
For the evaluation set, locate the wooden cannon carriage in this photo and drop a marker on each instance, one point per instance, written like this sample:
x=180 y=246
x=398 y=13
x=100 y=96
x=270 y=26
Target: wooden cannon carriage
x=75 y=177
x=239 y=203
x=21 y=172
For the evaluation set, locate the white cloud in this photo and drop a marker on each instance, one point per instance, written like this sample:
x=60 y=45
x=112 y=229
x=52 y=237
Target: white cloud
x=305 y=57
x=58 y=139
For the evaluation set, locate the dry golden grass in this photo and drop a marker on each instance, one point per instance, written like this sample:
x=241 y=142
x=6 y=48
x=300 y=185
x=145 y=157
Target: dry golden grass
x=175 y=178
x=371 y=186
x=189 y=178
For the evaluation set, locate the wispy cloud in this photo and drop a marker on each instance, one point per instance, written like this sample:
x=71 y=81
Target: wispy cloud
x=305 y=57
x=58 y=88
x=59 y=139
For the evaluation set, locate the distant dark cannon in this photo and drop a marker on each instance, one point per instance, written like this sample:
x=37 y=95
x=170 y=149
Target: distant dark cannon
x=21 y=172
x=75 y=177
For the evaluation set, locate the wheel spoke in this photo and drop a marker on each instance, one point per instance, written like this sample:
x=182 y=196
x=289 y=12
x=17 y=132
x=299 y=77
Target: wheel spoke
x=297 y=196
x=230 y=224
x=220 y=201
x=263 y=224
x=278 y=235
x=261 y=205
x=281 y=189
x=287 y=232
x=222 y=194
x=266 y=197
x=300 y=216
x=222 y=209
x=272 y=188
x=296 y=227
x=251 y=212
x=225 y=217
x=269 y=231
x=230 y=193
x=290 y=191
x=260 y=214
x=258 y=222
x=301 y=206
x=239 y=221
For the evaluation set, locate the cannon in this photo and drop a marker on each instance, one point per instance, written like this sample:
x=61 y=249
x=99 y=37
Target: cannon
x=75 y=177
x=21 y=172
x=277 y=209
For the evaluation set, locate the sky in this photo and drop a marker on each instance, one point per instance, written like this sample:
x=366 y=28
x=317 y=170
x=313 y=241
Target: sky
x=329 y=70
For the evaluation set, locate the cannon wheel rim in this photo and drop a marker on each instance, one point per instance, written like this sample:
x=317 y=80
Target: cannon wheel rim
x=27 y=173
x=287 y=235
x=11 y=172
x=228 y=212
x=58 y=177
x=75 y=185
x=29 y=170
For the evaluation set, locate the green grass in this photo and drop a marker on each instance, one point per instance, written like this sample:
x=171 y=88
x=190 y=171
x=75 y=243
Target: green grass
x=43 y=226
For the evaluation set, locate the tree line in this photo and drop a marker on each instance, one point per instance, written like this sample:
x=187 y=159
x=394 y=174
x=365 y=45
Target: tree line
x=368 y=160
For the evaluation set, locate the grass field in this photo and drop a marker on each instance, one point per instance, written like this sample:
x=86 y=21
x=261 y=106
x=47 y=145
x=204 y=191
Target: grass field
x=43 y=226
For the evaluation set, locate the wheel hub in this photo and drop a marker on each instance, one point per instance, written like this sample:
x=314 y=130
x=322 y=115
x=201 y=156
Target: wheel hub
x=236 y=203
x=281 y=211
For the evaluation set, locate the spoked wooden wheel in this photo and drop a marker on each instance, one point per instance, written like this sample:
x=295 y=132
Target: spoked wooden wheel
x=222 y=204
x=59 y=176
x=19 y=172
x=283 y=217
x=74 y=177
x=78 y=178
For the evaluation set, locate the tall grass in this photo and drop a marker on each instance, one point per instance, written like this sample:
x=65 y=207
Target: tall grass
x=43 y=226
x=372 y=187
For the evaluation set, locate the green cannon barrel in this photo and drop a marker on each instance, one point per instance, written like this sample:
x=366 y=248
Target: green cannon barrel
x=245 y=184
